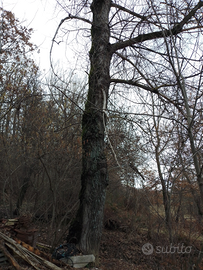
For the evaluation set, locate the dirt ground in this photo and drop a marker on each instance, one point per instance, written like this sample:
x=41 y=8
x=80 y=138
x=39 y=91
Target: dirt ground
x=123 y=249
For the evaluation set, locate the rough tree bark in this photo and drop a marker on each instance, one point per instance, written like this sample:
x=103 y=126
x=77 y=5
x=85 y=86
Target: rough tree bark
x=94 y=177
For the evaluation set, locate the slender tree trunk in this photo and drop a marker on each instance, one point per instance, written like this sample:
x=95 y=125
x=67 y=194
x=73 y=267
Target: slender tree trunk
x=165 y=191
x=191 y=137
x=27 y=172
x=166 y=197
x=178 y=212
x=197 y=198
x=189 y=116
x=87 y=227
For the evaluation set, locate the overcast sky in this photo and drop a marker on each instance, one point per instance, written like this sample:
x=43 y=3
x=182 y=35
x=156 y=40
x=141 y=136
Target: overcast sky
x=42 y=16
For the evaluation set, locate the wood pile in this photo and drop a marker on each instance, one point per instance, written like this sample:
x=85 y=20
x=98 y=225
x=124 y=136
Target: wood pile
x=11 y=249
x=18 y=247
x=22 y=229
x=18 y=242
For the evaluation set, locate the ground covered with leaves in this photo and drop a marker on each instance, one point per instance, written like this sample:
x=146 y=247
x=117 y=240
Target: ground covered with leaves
x=129 y=243
x=124 y=250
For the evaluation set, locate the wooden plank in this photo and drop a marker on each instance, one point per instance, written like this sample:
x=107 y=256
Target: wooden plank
x=10 y=257
x=27 y=255
x=23 y=256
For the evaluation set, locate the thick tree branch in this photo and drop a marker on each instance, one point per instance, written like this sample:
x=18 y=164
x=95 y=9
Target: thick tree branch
x=135 y=83
x=178 y=28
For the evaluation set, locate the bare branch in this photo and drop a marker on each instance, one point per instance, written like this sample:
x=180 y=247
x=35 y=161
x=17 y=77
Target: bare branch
x=129 y=11
x=178 y=28
x=152 y=90
x=57 y=30
x=135 y=83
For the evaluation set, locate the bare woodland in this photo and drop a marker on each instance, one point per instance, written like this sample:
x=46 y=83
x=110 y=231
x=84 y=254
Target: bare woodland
x=126 y=139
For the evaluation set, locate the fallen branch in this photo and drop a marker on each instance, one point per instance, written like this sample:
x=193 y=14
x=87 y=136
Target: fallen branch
x=10 y=257
x=44 y=246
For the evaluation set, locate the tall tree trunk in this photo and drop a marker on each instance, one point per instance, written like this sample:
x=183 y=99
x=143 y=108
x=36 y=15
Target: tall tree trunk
x=87 y=227
x=27 y=172
x=166 y=196
x=189 y=115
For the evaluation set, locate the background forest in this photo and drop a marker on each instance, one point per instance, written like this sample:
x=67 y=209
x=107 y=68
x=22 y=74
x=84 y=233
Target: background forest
x=153 y=139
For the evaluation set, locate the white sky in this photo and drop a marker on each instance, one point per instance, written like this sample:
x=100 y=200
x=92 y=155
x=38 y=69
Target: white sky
x=43 y=17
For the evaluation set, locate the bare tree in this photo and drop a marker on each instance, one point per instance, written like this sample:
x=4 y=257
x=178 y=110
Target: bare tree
x=121 y=39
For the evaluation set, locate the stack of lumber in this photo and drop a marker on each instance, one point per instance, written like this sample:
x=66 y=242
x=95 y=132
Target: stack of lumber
x=32 y=256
